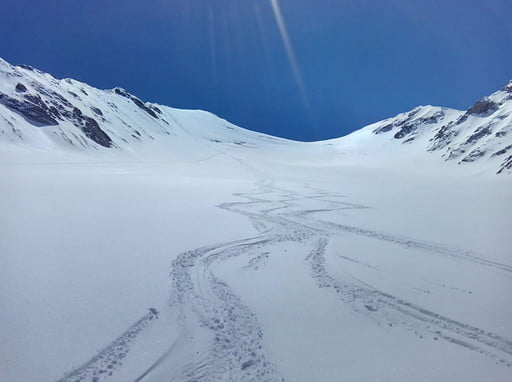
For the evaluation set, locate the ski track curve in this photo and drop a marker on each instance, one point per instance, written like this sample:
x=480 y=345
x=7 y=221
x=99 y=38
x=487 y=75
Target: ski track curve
x=278 y=215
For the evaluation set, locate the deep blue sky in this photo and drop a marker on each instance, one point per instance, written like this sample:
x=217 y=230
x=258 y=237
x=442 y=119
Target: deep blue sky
x=361 y=61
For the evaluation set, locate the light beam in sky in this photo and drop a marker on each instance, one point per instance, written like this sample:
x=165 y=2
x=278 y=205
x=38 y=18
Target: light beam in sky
x=289 y=50
x=213 y=51
x=263 y=36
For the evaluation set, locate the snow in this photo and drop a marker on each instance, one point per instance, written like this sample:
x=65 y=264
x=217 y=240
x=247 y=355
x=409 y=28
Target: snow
x=89 y=242
x=353 y=259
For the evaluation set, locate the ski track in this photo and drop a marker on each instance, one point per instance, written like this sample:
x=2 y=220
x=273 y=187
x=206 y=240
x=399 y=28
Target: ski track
x=236 y=352
x=109 y=359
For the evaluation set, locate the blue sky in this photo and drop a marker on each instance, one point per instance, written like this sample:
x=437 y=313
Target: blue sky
x=360 y=61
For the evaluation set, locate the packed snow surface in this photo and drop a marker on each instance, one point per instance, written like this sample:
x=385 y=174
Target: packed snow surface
x=195 y=250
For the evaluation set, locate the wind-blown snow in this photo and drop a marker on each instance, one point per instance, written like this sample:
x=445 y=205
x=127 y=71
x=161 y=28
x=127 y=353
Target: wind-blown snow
x=199 y=251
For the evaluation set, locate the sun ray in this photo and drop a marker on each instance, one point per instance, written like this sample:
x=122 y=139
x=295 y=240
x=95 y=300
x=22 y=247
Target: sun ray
x=263 y=37
x=213 y=50
x=290 y=52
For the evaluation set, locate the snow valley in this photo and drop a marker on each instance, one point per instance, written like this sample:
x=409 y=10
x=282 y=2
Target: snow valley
x=145 y=243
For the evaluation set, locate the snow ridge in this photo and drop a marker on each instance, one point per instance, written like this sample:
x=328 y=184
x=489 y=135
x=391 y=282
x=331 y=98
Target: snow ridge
x=40 y=110
x=481 y=133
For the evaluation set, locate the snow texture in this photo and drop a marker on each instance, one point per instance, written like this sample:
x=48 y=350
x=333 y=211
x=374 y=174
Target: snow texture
x=145 y=243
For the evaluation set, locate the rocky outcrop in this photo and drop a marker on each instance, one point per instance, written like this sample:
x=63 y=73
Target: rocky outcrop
x=506 y=165
x=508 y=87
x=136 y=101
x=474 y=155
x=20 y=88
x=53 y=110
x=97 y=111
x=481 y=133
x=483 y=106
x=91 y=128
x=405 y=130
x=384 y=129
x=33 y=110
x=502 y=151
x=478 y=134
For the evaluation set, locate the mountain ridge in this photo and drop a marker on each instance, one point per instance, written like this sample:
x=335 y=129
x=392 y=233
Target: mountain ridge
x=38 y=109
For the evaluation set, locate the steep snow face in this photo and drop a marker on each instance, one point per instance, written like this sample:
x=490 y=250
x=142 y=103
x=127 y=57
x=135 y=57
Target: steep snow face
x=483 y=133
x=37 y=109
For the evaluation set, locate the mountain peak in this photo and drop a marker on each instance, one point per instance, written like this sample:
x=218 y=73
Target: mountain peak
x=36 y=108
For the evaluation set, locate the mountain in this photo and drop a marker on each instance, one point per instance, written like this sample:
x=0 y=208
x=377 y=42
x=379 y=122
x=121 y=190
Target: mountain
x=40 y=110
x=481 y=133
x=144 y=243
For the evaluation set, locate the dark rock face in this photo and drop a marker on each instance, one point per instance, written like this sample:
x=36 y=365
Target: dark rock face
x=455 y=153
x=409 y=126
x=405 y=130
x=97 y=111
x=91 y=128
x=136 y=101
x=508 y=87
x=433 y=119
x=40 y=113
x=462 y=119
x=483 y=106
x=502 y=151
x=94 y=132
x=20 y=88
x=383 y=129
x=479 y=133
x=33 y=110
x=140 y=104
x=507 y=165
x=153 y=107
x=27 y=67
x=442 y=138
x=77 y=112
x=473 y=155
x=55 y=98
x=413 y=113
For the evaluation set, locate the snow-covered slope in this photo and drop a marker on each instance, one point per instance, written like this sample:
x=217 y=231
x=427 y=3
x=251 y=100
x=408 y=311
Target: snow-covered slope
x=481 y=135
x=144 y=243
x=39 y=110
